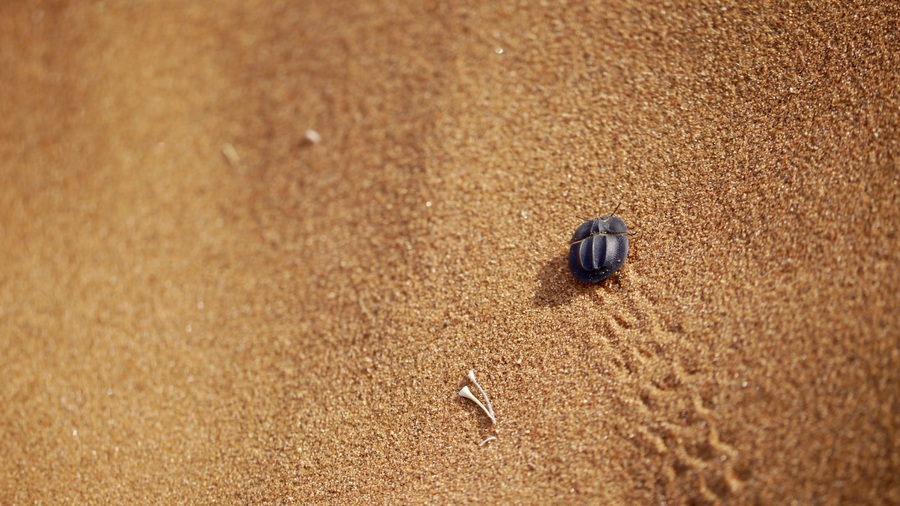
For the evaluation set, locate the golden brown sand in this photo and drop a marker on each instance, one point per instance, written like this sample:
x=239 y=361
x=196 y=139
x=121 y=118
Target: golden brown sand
x=197 y=305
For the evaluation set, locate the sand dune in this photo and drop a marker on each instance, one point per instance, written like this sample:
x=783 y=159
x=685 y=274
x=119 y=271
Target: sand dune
x=200 y=305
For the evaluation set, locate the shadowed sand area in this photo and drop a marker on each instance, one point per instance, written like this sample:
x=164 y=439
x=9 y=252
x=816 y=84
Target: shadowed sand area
x=198 y=305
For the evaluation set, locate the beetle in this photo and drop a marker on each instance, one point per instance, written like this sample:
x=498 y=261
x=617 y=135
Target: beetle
x=598 y=248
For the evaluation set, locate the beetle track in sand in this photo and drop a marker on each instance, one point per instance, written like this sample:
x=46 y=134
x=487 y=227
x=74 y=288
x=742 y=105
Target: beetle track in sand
x=696 y=462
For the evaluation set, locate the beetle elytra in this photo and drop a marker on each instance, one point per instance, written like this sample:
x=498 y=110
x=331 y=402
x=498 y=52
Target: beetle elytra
x=598 y=248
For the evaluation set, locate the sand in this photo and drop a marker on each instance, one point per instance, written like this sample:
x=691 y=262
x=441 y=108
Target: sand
x=200 y=305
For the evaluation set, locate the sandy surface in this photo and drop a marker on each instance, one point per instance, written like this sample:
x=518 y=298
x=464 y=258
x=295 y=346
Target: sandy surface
x=291 y=323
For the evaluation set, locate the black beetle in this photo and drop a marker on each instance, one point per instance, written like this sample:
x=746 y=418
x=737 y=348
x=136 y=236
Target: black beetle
x=598 y=248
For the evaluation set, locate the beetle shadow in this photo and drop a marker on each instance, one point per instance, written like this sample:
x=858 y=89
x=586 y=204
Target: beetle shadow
x=557 y=285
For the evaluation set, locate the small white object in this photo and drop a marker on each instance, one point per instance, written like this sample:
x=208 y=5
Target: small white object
x=465 y=392
x=231 y=154
x=313 y=136
x=489 y=439
x=484 y=394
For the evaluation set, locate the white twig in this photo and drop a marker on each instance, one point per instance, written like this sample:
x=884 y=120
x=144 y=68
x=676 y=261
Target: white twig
x=486 y=441
x=465 y=392
x=483 y=393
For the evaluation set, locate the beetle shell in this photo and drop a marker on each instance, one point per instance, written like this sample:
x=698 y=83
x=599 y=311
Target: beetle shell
x=598 y=249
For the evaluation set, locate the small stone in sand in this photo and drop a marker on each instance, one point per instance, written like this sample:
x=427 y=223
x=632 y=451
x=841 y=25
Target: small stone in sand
x=231 y=154
x=312 y=136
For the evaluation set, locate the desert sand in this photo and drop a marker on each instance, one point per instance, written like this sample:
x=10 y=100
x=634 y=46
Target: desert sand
x=199 y=305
